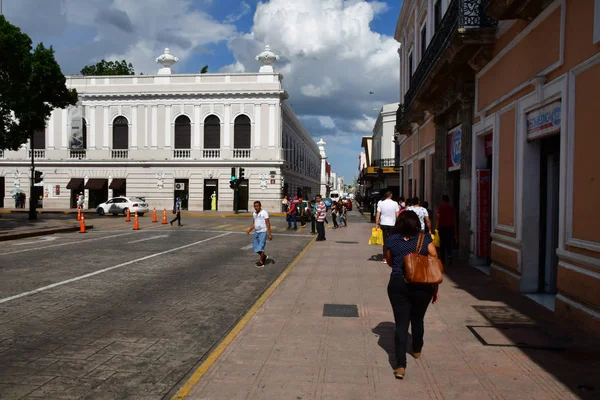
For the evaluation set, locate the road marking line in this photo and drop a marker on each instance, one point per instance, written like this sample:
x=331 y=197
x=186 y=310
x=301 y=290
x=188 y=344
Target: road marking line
x=214 y=356
x=41 y=239
x=220 y=226
x=65 y=244
x=283 y=229
x=237 y=227
x=78 y=278
x=247 y=247
x=150 y=238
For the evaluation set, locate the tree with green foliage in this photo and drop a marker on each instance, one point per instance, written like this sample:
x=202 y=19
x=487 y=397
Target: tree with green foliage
x=105 y=68
x=204 y=69
x=31 y=86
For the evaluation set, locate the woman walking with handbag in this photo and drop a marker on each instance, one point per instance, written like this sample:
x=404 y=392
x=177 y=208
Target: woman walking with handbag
x=408 y=253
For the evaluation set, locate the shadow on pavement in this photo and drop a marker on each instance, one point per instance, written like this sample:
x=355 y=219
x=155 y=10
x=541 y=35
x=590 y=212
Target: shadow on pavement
x=568 y=353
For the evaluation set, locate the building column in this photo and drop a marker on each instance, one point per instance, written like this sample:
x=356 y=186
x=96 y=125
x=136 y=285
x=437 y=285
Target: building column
x=466 y=165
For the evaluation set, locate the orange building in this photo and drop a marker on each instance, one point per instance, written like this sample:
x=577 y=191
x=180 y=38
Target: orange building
x=536 y=107
x=509 y=91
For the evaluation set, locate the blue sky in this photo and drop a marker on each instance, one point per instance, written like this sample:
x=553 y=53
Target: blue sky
x=333 y=52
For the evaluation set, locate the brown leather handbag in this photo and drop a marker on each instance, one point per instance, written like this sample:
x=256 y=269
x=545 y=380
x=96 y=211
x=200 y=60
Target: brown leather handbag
x=422 y=269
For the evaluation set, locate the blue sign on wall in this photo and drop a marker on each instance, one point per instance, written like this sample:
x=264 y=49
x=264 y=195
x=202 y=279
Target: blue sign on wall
x=454 y=148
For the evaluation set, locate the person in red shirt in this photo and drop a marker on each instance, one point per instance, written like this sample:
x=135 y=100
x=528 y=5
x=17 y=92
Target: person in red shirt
x=445 y=223
x=292 y=214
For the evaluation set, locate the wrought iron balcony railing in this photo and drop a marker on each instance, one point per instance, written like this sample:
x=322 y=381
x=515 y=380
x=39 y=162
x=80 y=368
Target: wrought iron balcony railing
x=461 y=16
x=385 y=162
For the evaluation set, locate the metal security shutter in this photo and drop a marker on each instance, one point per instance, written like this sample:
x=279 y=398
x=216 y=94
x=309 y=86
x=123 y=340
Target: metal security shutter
x=212 y=132
x=39 y=140
x=183 y=133
x=241 y=133
x=120 y=133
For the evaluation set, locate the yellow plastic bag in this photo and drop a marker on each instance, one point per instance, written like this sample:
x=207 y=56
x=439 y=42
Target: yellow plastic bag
x=436 y=238
x=376 y=237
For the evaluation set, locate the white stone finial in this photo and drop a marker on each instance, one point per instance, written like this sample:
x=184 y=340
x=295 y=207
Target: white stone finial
x=167 y=60
x=321 y=143
x=268 y=58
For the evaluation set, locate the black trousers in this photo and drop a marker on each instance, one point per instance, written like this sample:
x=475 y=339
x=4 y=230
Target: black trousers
x=409 y=303
x=386 y=230
x=321 y=230
x=177 y=218
x=313 y=225
x=446 y=242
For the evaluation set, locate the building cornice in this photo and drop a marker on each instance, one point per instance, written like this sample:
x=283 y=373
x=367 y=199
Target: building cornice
x=141 y=164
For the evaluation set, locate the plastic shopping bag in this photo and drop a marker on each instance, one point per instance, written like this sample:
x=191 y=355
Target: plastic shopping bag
x=436 y=238
x=376 y=237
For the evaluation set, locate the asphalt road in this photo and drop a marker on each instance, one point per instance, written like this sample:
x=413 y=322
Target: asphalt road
x=122 y=314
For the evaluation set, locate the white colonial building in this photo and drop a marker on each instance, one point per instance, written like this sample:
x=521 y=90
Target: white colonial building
x=170 y=135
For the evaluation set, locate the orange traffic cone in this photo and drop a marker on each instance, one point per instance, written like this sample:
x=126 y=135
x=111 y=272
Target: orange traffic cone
x=78 y=213
x=128 y=216
x=82 y=225
x=136 y=224
x=165 y=217
x=154 y=216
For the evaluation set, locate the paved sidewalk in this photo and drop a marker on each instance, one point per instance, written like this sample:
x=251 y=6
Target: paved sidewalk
x=481 y=341
x=72 y=211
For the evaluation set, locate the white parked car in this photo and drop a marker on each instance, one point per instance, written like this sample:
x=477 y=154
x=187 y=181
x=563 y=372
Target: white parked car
x=118 y=205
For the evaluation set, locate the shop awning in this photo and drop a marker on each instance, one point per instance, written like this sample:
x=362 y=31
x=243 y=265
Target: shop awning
x=117 y=183
x=75 y=183
x=96 y=184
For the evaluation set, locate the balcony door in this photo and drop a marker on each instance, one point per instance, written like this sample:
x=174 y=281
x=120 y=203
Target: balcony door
x=120 y=139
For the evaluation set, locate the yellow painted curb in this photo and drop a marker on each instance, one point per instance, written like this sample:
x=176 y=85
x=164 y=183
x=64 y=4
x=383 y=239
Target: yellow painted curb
x=214 y=356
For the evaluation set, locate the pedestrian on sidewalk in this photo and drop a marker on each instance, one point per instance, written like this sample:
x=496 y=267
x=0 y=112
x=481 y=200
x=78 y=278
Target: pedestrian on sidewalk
x=313 y=217
x=320 y=215
x=177 y=210
x=445 y=223
x=385 y=218
x=421 y=213
x=262 y=231
x=292 y=213
x=409 y=301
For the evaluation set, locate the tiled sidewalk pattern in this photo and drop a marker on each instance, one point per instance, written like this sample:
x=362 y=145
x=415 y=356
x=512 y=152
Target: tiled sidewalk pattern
x=289 y=350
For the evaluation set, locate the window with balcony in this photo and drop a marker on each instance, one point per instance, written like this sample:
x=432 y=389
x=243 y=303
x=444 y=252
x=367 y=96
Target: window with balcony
x=120 y=139
x=437 y=18
x=241 y=137
x=183 y=137
x=79 y=143
x=212 y=137
x=423 y=39
x=38 y=147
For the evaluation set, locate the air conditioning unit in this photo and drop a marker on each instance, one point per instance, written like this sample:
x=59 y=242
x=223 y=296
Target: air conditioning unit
x=180 y=186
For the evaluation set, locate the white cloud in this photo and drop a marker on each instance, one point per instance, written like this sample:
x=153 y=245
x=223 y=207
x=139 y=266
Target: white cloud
x=243 y=11
x=119 y=29
x=331 y=60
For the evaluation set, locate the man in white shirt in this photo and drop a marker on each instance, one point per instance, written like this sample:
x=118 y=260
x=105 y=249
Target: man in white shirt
x=421 y=213
x=387 y=212
x=262 y=231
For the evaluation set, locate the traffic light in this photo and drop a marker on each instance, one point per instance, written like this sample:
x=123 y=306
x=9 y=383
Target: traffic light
x=38 y=176
x=241 y=174
x=231 y=184
x=232 y=174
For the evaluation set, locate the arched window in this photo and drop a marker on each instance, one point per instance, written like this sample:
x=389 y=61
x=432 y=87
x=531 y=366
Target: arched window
x=241 y=132
x=83 y=133
x=183 y=133
x=39 y=140
x=120 y=133
x=212 y=132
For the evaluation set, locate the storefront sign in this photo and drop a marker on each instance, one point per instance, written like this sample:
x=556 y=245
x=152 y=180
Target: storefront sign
x=544 y=121
x=483 y=212
x=454 y=148
x=489 y=145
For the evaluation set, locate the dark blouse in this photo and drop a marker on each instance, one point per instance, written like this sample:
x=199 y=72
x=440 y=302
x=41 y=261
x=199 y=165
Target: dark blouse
x=400 y=248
